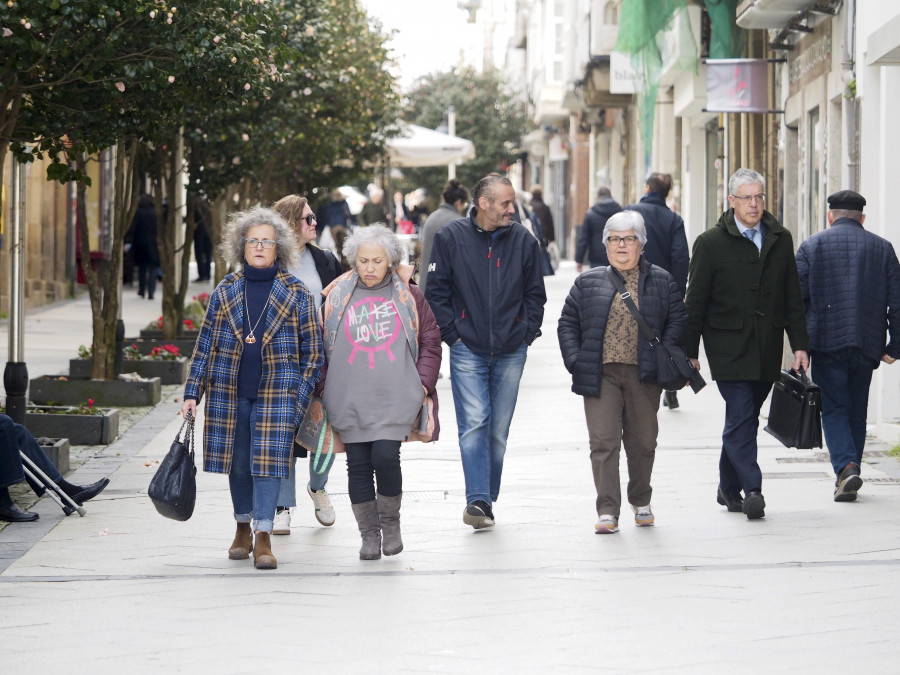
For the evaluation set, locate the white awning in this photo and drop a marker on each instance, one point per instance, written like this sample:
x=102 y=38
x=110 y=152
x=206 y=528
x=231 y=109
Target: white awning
x=419 y=146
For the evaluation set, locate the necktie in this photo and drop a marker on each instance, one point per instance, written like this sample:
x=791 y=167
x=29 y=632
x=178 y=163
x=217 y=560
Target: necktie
x=751 y=235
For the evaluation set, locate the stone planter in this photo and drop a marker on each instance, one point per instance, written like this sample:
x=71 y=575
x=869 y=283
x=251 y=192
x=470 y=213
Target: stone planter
x=58 y=451
x=146 y=345
x=157 y=334
x=78 y=429
x=168 y=372
x=51 y=390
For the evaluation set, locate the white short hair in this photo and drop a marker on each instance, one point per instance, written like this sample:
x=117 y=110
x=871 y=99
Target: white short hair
x=624 y=221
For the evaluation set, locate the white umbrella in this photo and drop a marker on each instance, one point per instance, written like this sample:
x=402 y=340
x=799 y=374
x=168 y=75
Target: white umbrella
x=419 y=146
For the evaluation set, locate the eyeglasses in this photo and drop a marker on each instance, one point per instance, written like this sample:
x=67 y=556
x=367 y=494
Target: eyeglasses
x=760 y=198
x=256 y=243
x=616 y=241
x=310 y=219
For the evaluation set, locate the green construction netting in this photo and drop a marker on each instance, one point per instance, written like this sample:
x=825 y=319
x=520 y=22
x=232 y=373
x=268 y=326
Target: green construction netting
x=646 y=33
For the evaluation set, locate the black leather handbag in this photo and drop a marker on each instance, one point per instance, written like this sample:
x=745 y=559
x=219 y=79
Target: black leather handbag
x=173 y=489
x=673 y=368
x=795 y=415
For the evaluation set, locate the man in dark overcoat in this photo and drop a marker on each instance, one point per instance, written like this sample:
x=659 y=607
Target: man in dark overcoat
x=850 y=280
x=743 y=295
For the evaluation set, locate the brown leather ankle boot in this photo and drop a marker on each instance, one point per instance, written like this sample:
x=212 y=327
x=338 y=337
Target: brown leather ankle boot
x=262 y=553
x=242 y=544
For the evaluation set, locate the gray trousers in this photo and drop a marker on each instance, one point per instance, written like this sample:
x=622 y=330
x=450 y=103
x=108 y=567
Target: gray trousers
x=624 y=414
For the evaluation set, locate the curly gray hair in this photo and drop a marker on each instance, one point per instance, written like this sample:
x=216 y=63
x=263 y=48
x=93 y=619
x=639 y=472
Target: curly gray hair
x=624 y=221
x=239 y=224
x=375 y=234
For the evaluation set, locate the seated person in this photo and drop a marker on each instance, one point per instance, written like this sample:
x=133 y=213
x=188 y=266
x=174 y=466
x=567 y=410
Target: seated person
x=13 y=438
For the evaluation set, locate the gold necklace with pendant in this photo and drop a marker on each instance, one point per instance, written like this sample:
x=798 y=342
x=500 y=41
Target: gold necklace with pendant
x=251 y=338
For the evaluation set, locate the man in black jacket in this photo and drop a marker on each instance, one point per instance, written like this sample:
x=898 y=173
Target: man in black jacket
x=590 y=237
x=487 y=292
x=850 y=281
x=667 y=244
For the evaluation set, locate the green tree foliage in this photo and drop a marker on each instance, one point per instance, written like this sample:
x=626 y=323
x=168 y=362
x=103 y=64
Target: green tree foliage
x=487 y=113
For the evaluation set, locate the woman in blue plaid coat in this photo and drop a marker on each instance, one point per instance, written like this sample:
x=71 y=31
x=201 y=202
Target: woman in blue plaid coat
x=256 y=360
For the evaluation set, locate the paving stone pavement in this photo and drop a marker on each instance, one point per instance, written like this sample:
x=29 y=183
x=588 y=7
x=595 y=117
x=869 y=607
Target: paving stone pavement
x=811 y=588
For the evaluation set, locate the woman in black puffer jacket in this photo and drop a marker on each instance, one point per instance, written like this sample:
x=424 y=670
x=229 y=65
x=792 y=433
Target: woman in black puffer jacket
x=614 y=368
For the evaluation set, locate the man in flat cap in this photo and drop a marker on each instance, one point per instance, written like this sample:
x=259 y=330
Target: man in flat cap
x=850 y=281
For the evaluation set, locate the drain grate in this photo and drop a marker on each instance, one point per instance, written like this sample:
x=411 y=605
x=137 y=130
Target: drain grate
x=796 y=474
x=417 y=496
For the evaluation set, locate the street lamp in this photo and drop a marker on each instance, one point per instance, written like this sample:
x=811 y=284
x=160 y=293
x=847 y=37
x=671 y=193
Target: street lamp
x=449 y=128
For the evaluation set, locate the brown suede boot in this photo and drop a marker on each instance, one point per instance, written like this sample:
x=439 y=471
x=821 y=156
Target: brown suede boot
x=262 y=553
x=242 y=544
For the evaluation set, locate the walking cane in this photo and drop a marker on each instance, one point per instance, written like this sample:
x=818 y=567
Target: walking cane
x=50 y=487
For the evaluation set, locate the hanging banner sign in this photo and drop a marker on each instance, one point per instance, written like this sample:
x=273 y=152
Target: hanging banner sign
x=737 y=85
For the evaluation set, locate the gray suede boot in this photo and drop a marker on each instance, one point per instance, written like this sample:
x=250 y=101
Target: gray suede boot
x=389 y=514
x=370 y=529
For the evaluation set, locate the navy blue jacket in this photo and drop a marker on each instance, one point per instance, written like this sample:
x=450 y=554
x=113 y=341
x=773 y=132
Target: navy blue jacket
x=582 y=325
x=486 y=289
x=850 y=281
x=590 y=237
x=666 y=241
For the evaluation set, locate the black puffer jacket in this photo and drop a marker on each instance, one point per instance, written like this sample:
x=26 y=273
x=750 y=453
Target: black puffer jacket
x=582 y=324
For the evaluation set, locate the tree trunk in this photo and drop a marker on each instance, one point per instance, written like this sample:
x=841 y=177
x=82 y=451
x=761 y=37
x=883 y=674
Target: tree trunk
x=10 y=102
x=104 y=293
x=168 y=176
x=219 y=214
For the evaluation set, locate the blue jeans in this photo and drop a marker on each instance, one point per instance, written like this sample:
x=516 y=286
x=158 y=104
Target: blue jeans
x=253 y=497
x=738 y=468
x=485 y=389
x=287 y=489
x=844 y=377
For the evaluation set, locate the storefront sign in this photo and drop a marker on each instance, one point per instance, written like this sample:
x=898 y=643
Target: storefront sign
x=737 y=85
x=810 y=58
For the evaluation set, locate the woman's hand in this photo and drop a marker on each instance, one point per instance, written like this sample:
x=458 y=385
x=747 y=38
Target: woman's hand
x=189 y=408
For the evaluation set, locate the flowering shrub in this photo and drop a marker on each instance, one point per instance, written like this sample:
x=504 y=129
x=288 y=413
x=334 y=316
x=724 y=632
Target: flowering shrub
x=87 y=408
x=164 y=353
x=186 y=324
x=202 y=299
x=131 y=353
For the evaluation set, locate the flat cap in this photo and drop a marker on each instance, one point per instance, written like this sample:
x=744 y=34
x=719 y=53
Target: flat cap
x=847 y=200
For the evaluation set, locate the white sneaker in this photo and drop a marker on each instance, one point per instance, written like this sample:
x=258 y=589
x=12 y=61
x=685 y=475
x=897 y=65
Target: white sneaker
x=324 y=510
x=607 y=525
x=643 y=515
x=282 y=522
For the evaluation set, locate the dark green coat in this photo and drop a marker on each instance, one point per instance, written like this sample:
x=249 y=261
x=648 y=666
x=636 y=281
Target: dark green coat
x=742 y=301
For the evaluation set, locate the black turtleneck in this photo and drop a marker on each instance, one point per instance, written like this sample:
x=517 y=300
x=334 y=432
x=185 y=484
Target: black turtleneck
x=256 y=292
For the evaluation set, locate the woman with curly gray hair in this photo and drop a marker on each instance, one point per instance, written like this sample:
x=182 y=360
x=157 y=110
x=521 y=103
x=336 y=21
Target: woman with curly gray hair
x=383 y=350
x=256 y=360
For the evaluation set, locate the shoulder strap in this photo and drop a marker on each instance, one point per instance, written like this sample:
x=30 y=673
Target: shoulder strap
x=629 y=303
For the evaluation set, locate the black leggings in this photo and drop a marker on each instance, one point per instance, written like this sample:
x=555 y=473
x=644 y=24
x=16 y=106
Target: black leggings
x=370 y=462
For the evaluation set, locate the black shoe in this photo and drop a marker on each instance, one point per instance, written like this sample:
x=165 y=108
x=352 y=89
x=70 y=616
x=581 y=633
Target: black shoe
x=754 y=505
x=478 y=514
x=670 y=399
x=88 y=492
x=848 y=484
x=734 y=503
x=14 y=514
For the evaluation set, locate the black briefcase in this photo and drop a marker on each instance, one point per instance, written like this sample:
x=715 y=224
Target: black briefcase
x=795 y=416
